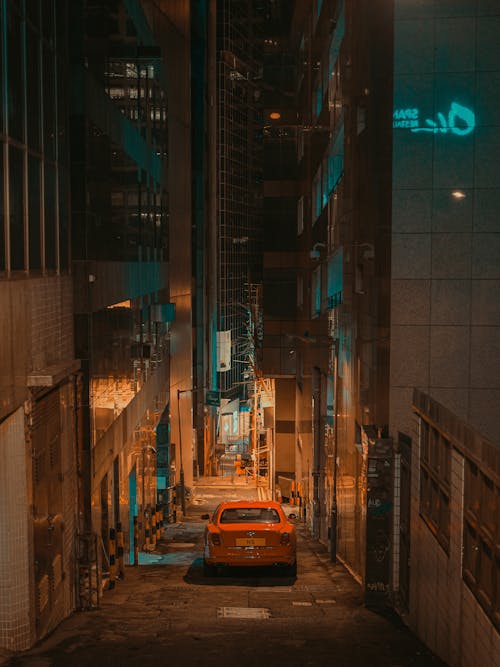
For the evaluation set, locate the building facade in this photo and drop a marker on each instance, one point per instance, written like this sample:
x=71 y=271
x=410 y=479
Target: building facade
x=227 y=202
x=84 y=423
x=39 y=383
x=445 y=317
x=381 y=300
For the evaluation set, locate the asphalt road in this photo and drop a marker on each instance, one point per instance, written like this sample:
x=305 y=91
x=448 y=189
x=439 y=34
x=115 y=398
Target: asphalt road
x=167 y=613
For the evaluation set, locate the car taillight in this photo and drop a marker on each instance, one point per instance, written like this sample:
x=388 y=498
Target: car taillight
x=285 y=538
x=216 y=539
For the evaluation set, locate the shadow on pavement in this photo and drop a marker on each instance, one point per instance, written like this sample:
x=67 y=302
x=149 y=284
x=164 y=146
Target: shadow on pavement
x=237 y=576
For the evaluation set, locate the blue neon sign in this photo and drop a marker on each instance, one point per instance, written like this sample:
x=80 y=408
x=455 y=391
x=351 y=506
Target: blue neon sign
x=460 y=121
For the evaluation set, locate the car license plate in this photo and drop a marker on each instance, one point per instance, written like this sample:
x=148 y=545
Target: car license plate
x=250 y=542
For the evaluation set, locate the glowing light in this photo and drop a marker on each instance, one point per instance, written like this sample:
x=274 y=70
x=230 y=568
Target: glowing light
x=459 y=121
x=458 y=194
x=275 y=115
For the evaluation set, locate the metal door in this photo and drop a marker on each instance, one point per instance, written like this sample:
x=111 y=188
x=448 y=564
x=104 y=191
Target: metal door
x=47 y=510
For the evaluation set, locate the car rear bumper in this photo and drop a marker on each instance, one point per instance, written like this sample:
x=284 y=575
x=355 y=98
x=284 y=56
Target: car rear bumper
x=249 y=558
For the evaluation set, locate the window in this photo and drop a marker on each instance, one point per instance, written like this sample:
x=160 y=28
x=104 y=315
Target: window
x=435 y=467
x=49 y=105
x=300 y=146
x=335 y=166
x=337 y=37
x=300 y=216
x=16 y=208
x=2 y=219
x=250 y=515
x=316 y=196
x=33 y=89
x=50 y=217
x=300 y=290
x=481 y=560
x=15 y=73
x=316 y=292
x=335 y=279
x=35 y=259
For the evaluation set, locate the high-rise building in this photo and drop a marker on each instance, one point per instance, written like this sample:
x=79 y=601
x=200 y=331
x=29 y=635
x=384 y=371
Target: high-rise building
x=239 y=187
x=227 y=203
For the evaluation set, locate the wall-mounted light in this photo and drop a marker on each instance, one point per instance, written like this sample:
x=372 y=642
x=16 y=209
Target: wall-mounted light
x=275 y=115
x=458 y=194
x=315 y=252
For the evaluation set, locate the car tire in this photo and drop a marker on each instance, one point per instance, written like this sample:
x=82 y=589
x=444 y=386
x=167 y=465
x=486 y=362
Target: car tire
x=209 y=570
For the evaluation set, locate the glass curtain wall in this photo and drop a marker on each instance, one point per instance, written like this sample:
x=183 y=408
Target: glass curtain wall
x=34 y=237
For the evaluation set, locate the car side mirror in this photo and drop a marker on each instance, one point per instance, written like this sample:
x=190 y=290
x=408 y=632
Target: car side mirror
x=205 y=516
x=292 y=516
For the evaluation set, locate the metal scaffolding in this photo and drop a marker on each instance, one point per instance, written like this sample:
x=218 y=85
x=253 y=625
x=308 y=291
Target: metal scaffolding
x=239 y=173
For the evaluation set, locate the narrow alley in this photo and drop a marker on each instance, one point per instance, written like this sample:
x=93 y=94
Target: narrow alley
x=166 y=612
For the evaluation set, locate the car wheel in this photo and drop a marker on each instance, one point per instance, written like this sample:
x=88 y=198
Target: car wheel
x=209 y=570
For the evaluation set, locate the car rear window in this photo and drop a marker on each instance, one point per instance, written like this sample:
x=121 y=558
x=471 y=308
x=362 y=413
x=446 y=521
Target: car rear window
x=249 y=515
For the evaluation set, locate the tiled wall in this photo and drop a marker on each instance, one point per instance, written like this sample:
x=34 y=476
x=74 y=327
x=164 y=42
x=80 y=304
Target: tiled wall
x=50 y=310
x=445 y=295
x=442 y=610
x=16 y=632
x=37 y=333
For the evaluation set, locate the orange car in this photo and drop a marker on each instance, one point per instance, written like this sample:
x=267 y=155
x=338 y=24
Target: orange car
x=243 y=533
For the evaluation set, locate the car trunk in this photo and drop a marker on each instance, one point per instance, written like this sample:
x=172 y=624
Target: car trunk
x=245 y=536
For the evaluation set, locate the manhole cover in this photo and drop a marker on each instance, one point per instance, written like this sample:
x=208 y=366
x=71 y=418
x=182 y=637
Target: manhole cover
x=243 y=612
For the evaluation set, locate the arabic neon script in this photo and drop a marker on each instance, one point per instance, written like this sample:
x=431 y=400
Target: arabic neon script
x=460 y=121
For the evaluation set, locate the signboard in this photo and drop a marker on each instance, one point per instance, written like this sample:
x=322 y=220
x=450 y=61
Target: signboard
x=224 y=351
x=213 y=398
x=459 y=120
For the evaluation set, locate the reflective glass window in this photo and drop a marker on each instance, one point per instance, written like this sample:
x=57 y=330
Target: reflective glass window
x=48 y=23
x=16 y=213
x=33 y=12
x=33 y=90
x=15 y=88
x=63 y=219
x=49 y=110
x=50 y=217
x=2 y=219
x=35 y=257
